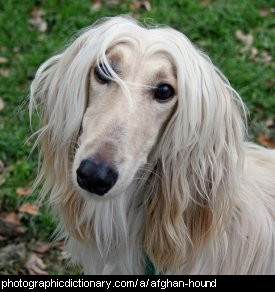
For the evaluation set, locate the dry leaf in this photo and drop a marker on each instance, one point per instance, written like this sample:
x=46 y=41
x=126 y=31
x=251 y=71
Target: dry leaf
x=206 y=2
x=12 y=217
x=35 y=265
x=20 y=229
x=64 y=256
x=134 y=6
x=254 y=53
x=111 y=3
x=2 y=173
x=13 y=253
x=42 y=37
x=265 y=141
x=41 y=247
x=269 y=123
x=16 y=49
x=96 y=5
x=2 y=167
x=269 y=84
x=29 y=208
x=59 y=245
x=37 y=20
x=4 y=72
x=2 y=105
x=23 y=191
x=3 y=60
x=263 y=11
x=2 y=238
x=246 y=39
x=266 y=57
x=146 y=5
x=10 y=229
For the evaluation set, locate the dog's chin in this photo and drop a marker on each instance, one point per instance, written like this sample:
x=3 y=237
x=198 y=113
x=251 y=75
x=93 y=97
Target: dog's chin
x=110 y=195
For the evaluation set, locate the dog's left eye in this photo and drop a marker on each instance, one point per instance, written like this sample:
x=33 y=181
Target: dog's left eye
x=102 y=74
x=164 y=92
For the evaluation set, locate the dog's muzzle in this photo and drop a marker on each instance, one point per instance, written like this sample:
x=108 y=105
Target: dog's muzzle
x=96 y=176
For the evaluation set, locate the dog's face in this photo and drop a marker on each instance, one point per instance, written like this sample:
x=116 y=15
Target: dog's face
x=119 y=130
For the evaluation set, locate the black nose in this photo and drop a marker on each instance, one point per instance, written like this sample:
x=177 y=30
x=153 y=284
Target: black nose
x=96 y=176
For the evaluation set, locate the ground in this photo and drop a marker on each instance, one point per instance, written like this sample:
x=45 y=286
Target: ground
x=237 y=35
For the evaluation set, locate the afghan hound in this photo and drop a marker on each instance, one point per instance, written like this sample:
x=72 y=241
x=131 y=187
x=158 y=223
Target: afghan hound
x=143 y=155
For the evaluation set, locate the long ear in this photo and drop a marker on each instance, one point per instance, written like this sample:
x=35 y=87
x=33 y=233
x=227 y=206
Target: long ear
x=60 y=91
x=199 y=166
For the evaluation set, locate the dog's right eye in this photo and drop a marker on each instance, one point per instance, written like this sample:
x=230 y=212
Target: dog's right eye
x=102 y=75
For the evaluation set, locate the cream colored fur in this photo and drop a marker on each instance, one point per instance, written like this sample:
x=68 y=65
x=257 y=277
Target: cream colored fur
x=191 y=193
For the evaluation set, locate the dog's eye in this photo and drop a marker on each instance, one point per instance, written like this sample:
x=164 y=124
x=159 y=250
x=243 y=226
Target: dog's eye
x=102 y=74
x=164 y=92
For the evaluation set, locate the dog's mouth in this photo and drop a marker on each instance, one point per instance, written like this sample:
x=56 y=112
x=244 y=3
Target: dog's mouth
x=96 y=176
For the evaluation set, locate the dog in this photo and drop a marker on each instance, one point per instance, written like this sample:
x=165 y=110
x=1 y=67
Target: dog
x=144 y=155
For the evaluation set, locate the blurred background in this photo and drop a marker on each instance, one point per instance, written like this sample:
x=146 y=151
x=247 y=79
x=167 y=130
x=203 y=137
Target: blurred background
x=239 y=36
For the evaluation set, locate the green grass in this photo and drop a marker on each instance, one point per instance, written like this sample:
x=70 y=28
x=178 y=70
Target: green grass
x=211 y=25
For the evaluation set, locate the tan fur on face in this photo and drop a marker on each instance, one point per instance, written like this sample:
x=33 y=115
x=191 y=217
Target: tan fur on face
x=122 y=128
x=68 y=204
x=118 y=130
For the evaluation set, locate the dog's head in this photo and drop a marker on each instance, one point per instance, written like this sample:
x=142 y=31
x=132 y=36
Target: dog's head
x=123 y=98
x=108 y=97
x=132 y=91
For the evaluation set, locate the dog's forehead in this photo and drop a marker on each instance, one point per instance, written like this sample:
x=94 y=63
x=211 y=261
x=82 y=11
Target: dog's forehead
x=160 y=63
x=120 y=52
